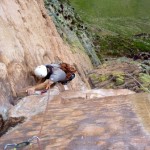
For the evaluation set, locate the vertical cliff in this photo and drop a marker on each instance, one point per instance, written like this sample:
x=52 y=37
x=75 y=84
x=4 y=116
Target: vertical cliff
x=28 y=38
x=71 y=27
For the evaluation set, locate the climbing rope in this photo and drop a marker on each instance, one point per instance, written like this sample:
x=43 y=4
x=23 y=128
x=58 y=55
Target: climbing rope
x=44 y=114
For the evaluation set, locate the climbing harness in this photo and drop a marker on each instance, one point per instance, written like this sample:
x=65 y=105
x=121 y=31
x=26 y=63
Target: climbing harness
x=30 y=141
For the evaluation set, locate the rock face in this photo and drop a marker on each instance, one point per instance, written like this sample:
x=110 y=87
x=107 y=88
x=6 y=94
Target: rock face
x=29 y=38
x=79 y=122
x=71 y=27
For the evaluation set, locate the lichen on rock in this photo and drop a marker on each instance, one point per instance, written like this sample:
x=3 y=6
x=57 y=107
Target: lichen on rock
x=70 y=27
x=145 y=80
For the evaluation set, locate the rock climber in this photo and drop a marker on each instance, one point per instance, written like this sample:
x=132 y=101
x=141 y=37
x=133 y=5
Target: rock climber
x=50 y=74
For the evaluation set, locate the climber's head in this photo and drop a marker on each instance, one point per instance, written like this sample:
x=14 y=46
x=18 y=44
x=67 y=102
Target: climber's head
x=40 y=71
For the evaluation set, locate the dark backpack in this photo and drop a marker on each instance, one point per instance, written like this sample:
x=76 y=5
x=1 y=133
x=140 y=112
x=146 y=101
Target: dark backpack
x=68 y=80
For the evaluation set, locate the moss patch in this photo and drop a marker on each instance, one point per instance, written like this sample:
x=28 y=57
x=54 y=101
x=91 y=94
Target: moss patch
x=145 y=80
x=119 y=78
x=103 y=78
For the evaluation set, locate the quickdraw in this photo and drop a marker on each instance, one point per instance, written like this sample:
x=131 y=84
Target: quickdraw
x=15 y=146
x=40 y=92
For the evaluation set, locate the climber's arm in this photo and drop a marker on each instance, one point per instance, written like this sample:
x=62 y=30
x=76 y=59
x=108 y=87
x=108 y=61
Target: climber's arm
x=41 y=86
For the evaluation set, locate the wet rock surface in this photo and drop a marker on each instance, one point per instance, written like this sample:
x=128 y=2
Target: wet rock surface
x=86 y=123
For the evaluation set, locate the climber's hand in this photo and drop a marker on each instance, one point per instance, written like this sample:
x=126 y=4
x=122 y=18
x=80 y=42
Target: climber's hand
x=30 y=91
x=49 y=84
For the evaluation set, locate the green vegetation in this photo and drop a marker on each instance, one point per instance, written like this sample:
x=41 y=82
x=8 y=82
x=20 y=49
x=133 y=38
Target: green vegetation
x=119 y=78
x=119 y=16
x=110 y=8
x=121 y=45
x=114 y=24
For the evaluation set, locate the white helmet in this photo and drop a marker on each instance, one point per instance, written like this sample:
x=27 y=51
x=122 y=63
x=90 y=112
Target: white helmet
x=40 y=71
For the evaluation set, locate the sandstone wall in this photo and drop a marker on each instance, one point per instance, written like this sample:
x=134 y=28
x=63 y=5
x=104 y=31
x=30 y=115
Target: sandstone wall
x=29 y=38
